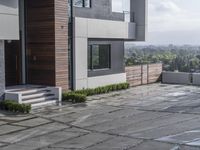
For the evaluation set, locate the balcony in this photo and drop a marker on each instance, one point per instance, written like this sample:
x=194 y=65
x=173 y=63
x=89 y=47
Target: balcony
x=97 y=28
x=129 y=16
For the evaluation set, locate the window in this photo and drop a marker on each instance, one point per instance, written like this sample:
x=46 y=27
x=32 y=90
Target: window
x=120 y=6
x=82 y=3
x=87 y=3
x=99 y=57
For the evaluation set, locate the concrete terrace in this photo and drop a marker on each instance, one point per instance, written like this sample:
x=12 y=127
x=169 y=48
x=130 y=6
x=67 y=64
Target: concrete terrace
x=151 y=117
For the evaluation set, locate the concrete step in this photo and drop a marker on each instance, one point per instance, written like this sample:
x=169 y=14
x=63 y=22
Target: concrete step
x=38 y=99
x=16 y=89
x=35 y=95
x=32 y=91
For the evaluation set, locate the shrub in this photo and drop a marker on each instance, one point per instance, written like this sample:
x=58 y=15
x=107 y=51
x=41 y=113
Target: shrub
x=74 y=97
x=80 y=95
x=13 y=106
x=104 y=89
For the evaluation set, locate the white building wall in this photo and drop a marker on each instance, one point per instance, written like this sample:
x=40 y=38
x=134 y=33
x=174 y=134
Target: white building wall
x=9 y=20
x=94 y=28
x=106 y=80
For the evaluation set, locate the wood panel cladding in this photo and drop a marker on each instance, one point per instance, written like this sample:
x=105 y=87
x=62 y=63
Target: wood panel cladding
x=143 y=74
x=61 y=44
x=47 y=42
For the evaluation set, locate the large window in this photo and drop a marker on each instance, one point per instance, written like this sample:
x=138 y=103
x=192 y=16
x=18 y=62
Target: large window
x=99 y=57
x=82 y=3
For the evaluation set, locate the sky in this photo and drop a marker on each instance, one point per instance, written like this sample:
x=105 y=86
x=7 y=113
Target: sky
x=173 y=22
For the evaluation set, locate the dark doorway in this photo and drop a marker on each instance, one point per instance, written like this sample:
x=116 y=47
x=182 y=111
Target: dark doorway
x=12 y=63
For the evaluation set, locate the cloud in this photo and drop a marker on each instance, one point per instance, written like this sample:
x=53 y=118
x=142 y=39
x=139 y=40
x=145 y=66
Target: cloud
x=167 y=7
x=168 y=15
x=174 y=21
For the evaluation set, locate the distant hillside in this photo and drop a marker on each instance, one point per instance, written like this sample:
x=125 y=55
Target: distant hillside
x=184 y=58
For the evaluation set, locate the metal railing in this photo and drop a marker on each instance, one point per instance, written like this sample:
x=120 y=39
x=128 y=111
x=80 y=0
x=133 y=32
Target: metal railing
x=129 y=16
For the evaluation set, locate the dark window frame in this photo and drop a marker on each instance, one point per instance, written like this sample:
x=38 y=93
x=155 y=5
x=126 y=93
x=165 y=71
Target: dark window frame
x=90 y=57
x=83 y=4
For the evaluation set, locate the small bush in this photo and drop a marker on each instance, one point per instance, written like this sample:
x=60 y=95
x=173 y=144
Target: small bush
x=79 y=96
x=12 y=106
x=74 y=97
x=104 y=89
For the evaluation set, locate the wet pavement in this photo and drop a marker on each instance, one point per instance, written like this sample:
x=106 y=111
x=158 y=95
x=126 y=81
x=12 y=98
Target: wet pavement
x=151 y=117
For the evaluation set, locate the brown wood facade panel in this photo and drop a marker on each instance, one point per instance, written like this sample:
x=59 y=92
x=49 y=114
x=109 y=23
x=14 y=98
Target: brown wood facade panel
x=143 y=74
x=47 y=42
x=40 y=42
x=61 y=44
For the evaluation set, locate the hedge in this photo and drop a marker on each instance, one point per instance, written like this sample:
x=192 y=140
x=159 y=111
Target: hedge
x=13 y=106
x=103 y=89
x=74 y=97
x=80 y=95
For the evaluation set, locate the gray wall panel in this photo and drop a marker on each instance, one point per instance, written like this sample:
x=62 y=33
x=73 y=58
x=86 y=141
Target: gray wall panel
x=117 y=59
x=2 y=70
x=139 y=8
x=176 y=78
x=101 y=9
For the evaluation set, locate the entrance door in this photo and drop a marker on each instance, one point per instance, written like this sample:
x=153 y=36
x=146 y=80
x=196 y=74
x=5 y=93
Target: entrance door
x=12 y=63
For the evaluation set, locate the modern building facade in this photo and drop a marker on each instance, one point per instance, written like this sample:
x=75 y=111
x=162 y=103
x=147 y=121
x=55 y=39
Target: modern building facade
x=73 y=44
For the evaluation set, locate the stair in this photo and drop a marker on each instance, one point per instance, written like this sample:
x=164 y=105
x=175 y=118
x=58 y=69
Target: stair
x=37 y=96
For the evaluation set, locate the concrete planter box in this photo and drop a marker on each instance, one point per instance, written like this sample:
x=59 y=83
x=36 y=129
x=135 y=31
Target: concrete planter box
x=177 y=77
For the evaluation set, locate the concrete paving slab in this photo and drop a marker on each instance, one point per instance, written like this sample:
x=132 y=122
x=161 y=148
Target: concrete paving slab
x=3 y=122
x=156 y=133
x=74 y=116
x=49 y=148
x=17 y=147
x=117 y=143
x=13 y=117
x=32 y=122
x=5 y=129
x=190 y=137
x=152 y=145
x=154 y=123
x=83 y=141
x=52 y=138
x=32 y=132
x=91 y=120
x=120 y=123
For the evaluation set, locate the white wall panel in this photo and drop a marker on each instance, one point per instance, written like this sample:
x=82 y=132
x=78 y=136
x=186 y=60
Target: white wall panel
x=9 y=20
x=94 y=82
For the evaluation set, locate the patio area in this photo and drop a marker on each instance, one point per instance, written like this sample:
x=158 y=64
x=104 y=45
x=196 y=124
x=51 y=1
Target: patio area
x=150 y=117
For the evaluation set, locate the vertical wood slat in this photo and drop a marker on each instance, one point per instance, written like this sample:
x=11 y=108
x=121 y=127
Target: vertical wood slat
x=61 y=44
x=47 y=42
x=143 y=74
x=40 y=42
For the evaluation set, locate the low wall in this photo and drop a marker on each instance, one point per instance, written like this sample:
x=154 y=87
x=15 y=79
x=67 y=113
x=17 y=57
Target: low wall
x=176 y=78
x=196 y=78
x=181 y=78
x=143 y=74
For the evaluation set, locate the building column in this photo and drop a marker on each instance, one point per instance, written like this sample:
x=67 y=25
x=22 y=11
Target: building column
x=61 y=44
x=2 y=69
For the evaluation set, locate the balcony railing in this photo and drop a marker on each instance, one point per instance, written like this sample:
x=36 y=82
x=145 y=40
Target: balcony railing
x=129 y=16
